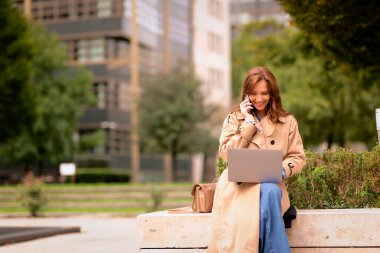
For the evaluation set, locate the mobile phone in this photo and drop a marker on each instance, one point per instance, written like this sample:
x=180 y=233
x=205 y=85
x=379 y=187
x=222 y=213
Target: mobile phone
x=246 y=98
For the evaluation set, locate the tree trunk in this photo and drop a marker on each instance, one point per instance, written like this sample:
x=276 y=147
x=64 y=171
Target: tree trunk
x=174 y=166
x=330 y=140
x=341 y=140
x=40 y=169
x=168 y=168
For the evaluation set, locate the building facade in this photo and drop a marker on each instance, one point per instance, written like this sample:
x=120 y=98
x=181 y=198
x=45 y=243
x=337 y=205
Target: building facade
x=97 y=34
x=211 y=49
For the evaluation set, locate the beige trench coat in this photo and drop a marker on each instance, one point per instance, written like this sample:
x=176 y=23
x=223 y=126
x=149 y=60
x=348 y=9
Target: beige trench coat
x=236 y=210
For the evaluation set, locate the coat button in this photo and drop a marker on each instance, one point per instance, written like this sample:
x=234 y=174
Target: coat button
x=272 y=142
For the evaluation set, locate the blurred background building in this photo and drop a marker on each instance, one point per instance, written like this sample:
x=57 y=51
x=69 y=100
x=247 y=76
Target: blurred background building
x=98 y=33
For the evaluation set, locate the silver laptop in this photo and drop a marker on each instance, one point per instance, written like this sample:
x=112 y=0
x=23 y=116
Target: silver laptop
x=254 y=165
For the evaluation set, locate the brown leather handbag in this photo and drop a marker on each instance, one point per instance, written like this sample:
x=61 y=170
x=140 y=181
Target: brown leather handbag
x=203 y=197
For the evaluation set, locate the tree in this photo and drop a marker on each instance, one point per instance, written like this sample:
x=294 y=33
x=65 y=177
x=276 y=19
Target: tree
x=331 y=102
x=344 y=30
x=17 y=106
x=171 y=114
x=61 y=93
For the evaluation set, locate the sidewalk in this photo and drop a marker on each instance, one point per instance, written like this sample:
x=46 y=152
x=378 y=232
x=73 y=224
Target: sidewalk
x=98 y=234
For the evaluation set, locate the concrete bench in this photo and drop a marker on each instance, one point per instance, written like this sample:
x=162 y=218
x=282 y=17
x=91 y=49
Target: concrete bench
x=322 y=231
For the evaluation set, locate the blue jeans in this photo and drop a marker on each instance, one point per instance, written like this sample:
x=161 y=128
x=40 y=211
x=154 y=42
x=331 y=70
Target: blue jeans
x=273 y=237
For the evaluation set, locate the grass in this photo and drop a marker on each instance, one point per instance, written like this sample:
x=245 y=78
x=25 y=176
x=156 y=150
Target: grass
x=52 y=202
x=123 y=185
x=129 y=199
x=126 y=185
x=77 y=209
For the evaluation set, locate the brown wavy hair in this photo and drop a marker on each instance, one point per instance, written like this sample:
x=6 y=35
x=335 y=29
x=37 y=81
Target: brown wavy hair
x=274 y=108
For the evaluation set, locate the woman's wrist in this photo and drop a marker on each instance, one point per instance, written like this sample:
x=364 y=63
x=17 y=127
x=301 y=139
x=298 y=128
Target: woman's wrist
x=249 y=117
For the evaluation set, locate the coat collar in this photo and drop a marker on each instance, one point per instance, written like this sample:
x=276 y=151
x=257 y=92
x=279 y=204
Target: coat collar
x=265 y=123
x=268 y=125
x=239 y=115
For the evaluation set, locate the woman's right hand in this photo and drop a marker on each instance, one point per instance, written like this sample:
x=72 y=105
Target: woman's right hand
x=245 y=108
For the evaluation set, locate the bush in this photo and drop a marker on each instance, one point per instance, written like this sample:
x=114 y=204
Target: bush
x=99 y=176
x=220 y=166
x=335 y=179
x=157 y=196
x=32 y=195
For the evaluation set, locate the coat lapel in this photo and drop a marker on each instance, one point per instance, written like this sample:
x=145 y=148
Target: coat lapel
x=268 y=126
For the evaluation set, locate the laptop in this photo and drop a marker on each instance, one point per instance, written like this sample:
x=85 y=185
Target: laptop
x=254 y=165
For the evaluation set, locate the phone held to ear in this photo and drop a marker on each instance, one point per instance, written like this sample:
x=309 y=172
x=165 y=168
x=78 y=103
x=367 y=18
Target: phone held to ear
x=246 y=98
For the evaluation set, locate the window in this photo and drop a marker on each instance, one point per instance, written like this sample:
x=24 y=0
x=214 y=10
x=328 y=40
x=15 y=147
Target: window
x=48 y=11
x=97 y=50
x=63 y=10
x=36 y=12
x=82 y=51
x=120 y=141
x=104 y=8
x=79 y=8
x=215 y=8
x=100 y=92
x=215 y=42
x=109 y=94
x=92 y=8
x=215 y=78
x=91 y=50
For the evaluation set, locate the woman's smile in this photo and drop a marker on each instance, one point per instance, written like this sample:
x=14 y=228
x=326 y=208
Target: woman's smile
x=259 y=106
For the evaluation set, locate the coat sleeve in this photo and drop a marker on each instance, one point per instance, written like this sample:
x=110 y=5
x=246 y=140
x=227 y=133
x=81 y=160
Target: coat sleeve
x=295 y=158
x=234 y=134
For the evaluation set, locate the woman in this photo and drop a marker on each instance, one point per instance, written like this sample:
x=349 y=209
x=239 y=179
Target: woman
x=247 y=217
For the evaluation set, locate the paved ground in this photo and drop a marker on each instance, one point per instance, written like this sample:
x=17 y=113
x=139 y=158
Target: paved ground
x=99 y=234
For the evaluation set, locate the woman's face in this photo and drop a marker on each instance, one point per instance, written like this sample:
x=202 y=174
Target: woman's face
x=260 y=96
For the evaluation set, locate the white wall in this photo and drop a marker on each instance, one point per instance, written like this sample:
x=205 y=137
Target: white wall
x=213 y=66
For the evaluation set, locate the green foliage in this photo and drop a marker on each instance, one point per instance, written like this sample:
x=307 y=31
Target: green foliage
x=17 y=106
x=337 y=179
x=61 y=94
x=331 y=102
x=171 y=108
x=344 y=30
x=334 y=179
x=32 y=196
x=157 y=196
x=172 y=114
x=100 y=176
x=91 y=140
x=221 y=165
x=253 y=46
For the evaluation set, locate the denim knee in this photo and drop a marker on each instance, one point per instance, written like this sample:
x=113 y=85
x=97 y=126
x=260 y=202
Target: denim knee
x=270 y=190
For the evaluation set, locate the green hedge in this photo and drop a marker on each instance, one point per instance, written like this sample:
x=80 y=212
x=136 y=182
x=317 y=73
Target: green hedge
x=335 y=179
x=100 y=177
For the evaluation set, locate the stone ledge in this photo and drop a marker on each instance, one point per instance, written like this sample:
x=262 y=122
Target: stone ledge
x=347 y=230
x=294 y=250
